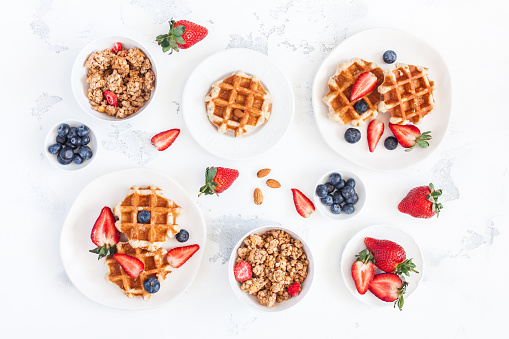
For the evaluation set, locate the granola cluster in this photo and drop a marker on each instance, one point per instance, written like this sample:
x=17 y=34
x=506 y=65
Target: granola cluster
x=127 y=73
x=277 y=261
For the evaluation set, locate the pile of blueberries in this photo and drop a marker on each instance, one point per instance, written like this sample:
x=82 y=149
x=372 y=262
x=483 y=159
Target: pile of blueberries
x=338 y=193
x=71 y=144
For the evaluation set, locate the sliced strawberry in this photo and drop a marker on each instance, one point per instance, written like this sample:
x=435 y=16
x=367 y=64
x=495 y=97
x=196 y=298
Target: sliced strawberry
x=294 y=289
x=364 y=84
x=176 y=257
x=111 y=98
x=163 y=140
x=104 y=233
x=131 y=265
x=389 y=287
x=410 y=136
x=242 y=271
x=117 y=47
x=302 y=203
x=375 y=131
x=363 y=271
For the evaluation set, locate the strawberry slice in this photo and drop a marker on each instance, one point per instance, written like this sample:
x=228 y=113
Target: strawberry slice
x=294 y=289
x=164 y=139
x=242 y=271
x=104 y=233
x=176 y=257
x=364 y=84
x=375 y=131
x=302 y=203
x=409 y=136
x=389 y=287
x=131 y=265
x=363 y=271
x=117 y=47
x=111 y=98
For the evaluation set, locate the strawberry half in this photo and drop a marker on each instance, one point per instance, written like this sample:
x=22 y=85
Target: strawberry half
x=104 y=234
x=409 y=136
x=389 y=256
x=294 y=289
x=183 y=34
x=163 y=140
x=131 y=265
x=111 y=98
x=218 y=180
x=375 y=131
x=117 y=47
x=363 y=271
x=177 y=257
x=242 y=271
x=389 y=287
x=304 y=206
x=364 y=84
x=421 y=202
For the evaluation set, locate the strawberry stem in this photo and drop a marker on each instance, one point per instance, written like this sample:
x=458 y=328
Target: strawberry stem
x=421 y=141
x=433 y=198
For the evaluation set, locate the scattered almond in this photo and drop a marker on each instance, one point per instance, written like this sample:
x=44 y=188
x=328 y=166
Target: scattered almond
x=258 y=196
x=263 y=172
x=273 y=183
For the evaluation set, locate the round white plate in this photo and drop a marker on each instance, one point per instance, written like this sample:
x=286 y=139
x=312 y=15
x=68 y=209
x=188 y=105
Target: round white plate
x=370 y=46
x=356 y=244
x=219 y=66
x=88 y=274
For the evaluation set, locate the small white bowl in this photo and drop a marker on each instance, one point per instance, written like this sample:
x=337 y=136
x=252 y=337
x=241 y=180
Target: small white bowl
x=79 y=75
x=360 y=189
x=50 y=140
x=251 y=300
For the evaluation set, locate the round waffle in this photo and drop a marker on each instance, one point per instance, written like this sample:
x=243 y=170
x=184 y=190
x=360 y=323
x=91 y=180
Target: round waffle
x=238 y=103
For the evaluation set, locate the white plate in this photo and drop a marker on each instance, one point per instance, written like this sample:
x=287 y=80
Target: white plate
x=356 y=244
x=370 y=45
x=219 y=66
x=88 y=274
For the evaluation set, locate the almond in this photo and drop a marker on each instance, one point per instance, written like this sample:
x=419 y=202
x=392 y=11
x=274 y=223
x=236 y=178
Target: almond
x=258 y=196
x=273 y=183
x=263 y=172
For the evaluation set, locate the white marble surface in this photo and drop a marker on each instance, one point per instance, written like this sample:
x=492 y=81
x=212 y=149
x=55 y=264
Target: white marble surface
x=462 y=293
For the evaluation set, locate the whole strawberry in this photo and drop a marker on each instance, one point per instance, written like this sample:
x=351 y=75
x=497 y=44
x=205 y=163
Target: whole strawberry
x=421 y=202
x=389 y=256
x=218 y=180
x=183 y=34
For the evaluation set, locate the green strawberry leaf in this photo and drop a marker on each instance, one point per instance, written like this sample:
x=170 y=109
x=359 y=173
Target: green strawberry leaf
x=210 y=174
x=179 y=30
x=166 y=49
x=180 y=40
x=165 y=43
x=161 y=37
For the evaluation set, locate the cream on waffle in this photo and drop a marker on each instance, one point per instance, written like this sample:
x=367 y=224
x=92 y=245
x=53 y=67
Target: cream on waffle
x=238 y=103
x=341 y=109
x=407 y=94
x=163 y=217
x=155 y=265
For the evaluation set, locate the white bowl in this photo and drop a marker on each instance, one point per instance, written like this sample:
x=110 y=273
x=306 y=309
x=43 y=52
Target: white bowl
x=360 y=189
x=252 y=300
x=79 y=75
x=50 y=140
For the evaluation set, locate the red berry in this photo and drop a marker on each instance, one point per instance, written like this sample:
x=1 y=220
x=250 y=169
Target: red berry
x=163 y=140
x=104 y=233
x=111 y=98
x=303 y=205
x=365 y=83
x=421 y=202
x=117 y=47
x=375 y=131
x=177 y=257
x=294 y=289
x=242 y=271
x=218 y=180
x=131 y=265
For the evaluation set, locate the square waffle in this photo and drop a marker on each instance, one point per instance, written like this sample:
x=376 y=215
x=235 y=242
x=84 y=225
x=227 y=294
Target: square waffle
x=238 y=103
x=407 y=94
x=163 y=217
x=341 y=109
x=155 y=265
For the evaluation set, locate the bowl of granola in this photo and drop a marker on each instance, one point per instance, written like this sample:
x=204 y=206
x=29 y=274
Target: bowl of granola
x=271 y=269
x=114 y=78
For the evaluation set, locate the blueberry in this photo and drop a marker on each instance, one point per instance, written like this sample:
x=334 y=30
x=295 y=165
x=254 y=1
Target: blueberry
x=76 y=141
x=347 y=192
x=77 y=159
x=73 y=131
x=63 y=161
x=361 y=106
x=334 y=178
x=60 y=139
x=352 y=135
x=327 y=201
x=353 y=199
x=340 y=184
x=85 y=152
x=337 y=198
x=182 y=236
x=321 y=191
x=348 y=208
x=350 y=182
x=330 y=187
x=151 y=285
x=85 y=140
x=391 y=143
x=83 y=130
x=66 y=153
x=335 y=208
x=55 y=148
x=68 y=143
x=143 y=217
x=390 y=56
x=63 y=130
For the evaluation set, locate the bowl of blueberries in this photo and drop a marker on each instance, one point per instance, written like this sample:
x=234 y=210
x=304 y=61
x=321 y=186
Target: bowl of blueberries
x=340 y=194
x=70 y=145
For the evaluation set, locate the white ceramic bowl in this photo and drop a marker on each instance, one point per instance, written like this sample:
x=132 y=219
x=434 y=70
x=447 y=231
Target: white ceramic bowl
x=79 y=74
x=360 y=189
x=251 y=300
x=50 y=140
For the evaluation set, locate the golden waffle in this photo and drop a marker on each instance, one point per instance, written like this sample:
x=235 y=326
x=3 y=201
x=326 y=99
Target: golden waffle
x=155 y=266
x=407 y=94
x=238 y=103
x=340 y=88
x=163 y=217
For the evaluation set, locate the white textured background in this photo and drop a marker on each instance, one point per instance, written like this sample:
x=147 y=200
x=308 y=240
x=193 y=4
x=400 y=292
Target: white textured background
x=463 y=292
